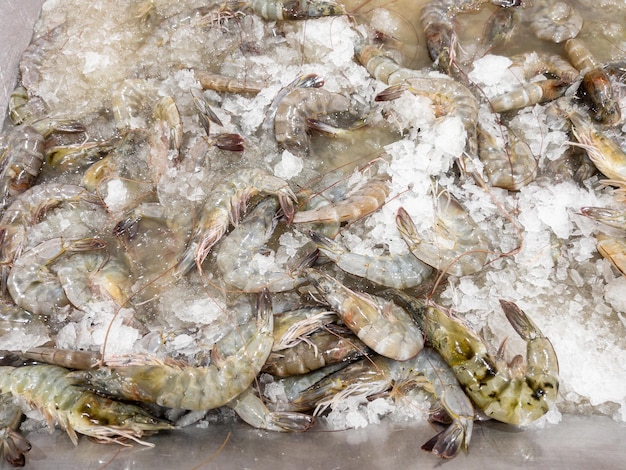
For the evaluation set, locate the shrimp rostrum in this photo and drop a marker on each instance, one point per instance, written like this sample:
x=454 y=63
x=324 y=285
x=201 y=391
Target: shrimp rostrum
x=504 y=392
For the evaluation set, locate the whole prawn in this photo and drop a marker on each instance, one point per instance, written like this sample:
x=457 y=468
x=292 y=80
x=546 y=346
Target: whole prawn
x=75 y=409
x=191 y=388
x=502 y=392
x=387 y=330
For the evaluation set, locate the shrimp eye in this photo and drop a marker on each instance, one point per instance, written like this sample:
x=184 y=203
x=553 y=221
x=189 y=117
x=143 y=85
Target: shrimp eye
x=539 y=393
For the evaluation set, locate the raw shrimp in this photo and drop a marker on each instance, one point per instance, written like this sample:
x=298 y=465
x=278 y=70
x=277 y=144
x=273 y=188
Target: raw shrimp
x=20 y=163
x=313 y=352
x=190 y=388
x=28 y=207
x=13 y=445
x=454 y=97
x=386 y=329
x=498 y=30
x=455 y=245
x=438 y=21
x=555 y=21
x=31 y=283
x=13 y=318
x=95 y=276
x=75 y=409
x=531 y=93
x=238 y=255
x=217 y=82
x=373 y=376
x=502 y=391
x=398 y=271
x=253 y=411
x=295 y=9
x=290 y=121
x=225 y=205
x=596 y=83
x=605 y=154
x=35 y=53
x=356 y=205
x=511 y=167
x=613 y=249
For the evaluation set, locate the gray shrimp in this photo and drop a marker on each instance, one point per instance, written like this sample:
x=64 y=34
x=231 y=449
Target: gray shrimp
x=35 y=53
x=437 y=19
x=399 y=271
x=455 y=244
x=454 y=97
x=31 y=283
x=75 y=409
x=313 y=352
x=357 y=204
x=373 y=376
x=20 y=163
x=290 y=121
x=387 y=330
x=296 y=9
x=225 y=205
x=187 y=387
x=596 y=83
x=236 y=255
x=512 y=166
x=555 y=21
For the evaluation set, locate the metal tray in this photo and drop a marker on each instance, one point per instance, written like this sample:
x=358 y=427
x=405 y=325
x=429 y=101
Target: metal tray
x=576 y=442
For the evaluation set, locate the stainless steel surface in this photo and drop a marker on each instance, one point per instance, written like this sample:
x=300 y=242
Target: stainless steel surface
x=577 y=442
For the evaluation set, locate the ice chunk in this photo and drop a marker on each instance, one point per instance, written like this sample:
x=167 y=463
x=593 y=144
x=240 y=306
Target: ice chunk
x=289 y=166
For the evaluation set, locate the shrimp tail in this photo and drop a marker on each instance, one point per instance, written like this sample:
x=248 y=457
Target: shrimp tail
x=13 y=448
x=519 y=321
x=447 y=443
x=292 y=421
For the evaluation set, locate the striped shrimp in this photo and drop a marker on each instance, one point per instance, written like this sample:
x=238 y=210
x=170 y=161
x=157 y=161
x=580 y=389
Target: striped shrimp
x=75 y=409
x=596 y=83
x=555 y=21
x=28 y=207
x=505 y=392
x=290 y=121
x=373 y=376
x=225 y=205
x=217 y=82
x=398 y=271
x=510 y=167
x=315 y=351
x=534 y=92
x=454 y=97
x=455 y=244
x=31 y=283
x=357 y=204
x=295 y=9
x=20 y=163
x=187 y=387
x=437 y=20
x=378 y=323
